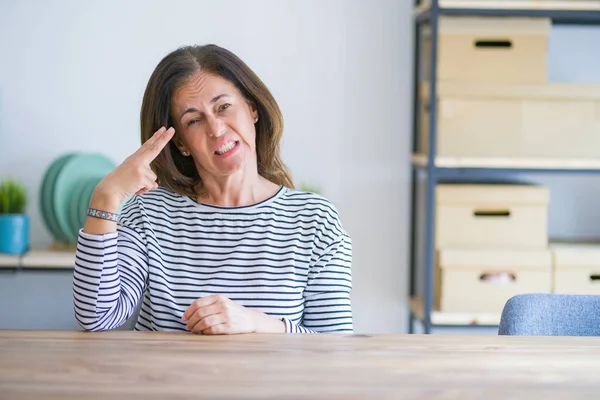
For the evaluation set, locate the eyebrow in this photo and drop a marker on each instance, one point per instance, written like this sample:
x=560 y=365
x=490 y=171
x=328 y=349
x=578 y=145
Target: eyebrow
x=213 y=101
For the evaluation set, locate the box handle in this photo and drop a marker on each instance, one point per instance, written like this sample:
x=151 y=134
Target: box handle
x=491 y=213
x=498 y=277
x=493 y=44
x=595 y=278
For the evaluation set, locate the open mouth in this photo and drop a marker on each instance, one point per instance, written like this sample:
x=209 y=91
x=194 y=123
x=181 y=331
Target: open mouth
x=227 y=147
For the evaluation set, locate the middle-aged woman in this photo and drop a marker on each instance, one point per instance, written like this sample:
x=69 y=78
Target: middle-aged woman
x=212 y=237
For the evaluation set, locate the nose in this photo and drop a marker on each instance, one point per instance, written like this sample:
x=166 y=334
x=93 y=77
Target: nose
x=215 y=127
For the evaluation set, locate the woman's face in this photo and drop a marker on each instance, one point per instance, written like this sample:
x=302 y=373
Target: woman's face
x=215 y=124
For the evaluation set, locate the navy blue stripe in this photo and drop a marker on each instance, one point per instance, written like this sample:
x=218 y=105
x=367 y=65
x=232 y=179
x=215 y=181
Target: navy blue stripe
x=295 y=217
x=181 y=243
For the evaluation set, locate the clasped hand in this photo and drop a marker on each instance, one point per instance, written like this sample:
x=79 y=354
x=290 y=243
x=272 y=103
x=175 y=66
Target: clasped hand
x=219 y=315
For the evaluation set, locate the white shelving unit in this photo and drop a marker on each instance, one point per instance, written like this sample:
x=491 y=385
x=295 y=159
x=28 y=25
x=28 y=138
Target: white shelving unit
x=508 y=163
x=566 y=5
x=430 y=168
x=39 y=258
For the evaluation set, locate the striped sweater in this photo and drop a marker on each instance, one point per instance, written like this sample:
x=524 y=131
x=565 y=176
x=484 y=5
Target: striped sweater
x=287 y=256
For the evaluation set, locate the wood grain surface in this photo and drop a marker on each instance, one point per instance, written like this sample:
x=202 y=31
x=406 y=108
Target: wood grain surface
x=121 y=364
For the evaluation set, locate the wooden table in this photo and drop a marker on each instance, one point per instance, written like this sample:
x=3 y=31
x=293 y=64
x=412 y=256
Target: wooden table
x=120 y=364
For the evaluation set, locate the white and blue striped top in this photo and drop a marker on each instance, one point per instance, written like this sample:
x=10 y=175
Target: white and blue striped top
x=287 y=256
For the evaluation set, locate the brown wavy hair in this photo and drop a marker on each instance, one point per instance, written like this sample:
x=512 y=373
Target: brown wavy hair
x=178 y=173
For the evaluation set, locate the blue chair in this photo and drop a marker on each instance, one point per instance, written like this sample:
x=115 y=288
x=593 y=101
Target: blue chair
x=551 y=315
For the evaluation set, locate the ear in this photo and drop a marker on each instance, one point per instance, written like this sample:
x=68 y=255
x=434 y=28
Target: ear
x=177 y=138
x=182 y=149
x=253 y=109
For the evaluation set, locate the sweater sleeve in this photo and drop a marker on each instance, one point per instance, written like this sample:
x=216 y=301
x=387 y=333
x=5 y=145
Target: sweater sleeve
x=327 y=305
x=111 y=272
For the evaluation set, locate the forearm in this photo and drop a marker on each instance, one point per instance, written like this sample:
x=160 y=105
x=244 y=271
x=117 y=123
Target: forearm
x=105 y=294
x=327 y=305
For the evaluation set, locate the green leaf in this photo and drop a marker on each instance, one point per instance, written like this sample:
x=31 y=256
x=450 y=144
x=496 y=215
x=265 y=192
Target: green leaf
x=13 y=197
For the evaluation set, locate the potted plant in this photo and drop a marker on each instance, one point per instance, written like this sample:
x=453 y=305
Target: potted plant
x=14 y=224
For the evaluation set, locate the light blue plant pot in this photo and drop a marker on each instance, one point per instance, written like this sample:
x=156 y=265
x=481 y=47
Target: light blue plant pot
x=14 y=234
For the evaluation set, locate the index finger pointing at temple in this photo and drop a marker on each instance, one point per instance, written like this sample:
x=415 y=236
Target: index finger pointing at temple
x=154 y=147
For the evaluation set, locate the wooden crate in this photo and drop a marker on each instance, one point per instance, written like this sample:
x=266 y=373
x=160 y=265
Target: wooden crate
x=547 y=121
x=494 y=215
x=482 y=280
x=490 y=49
x=576 y=268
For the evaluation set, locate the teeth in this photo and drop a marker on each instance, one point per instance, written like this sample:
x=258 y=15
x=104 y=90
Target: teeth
x=225 y=148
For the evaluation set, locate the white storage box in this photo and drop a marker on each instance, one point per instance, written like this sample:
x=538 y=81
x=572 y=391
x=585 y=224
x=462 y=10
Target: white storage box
x=482 y=280
x=546 y=121
x=490 y=49
x=576 y=268
x=496 y=215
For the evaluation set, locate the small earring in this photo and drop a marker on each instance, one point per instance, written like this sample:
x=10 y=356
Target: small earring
x=256 y=120
x=185 y=153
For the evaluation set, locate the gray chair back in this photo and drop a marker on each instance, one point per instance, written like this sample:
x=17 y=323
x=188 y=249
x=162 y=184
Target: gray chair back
x=551 y=315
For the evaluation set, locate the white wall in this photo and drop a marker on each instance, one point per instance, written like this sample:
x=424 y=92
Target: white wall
x=73 y=72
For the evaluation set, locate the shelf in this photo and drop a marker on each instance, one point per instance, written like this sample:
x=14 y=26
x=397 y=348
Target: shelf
x=9 y=261
x=546 y=5
x=40 y=258
x=508 y=164
x=439 y=318
x=560 y=11
x=51 y=259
